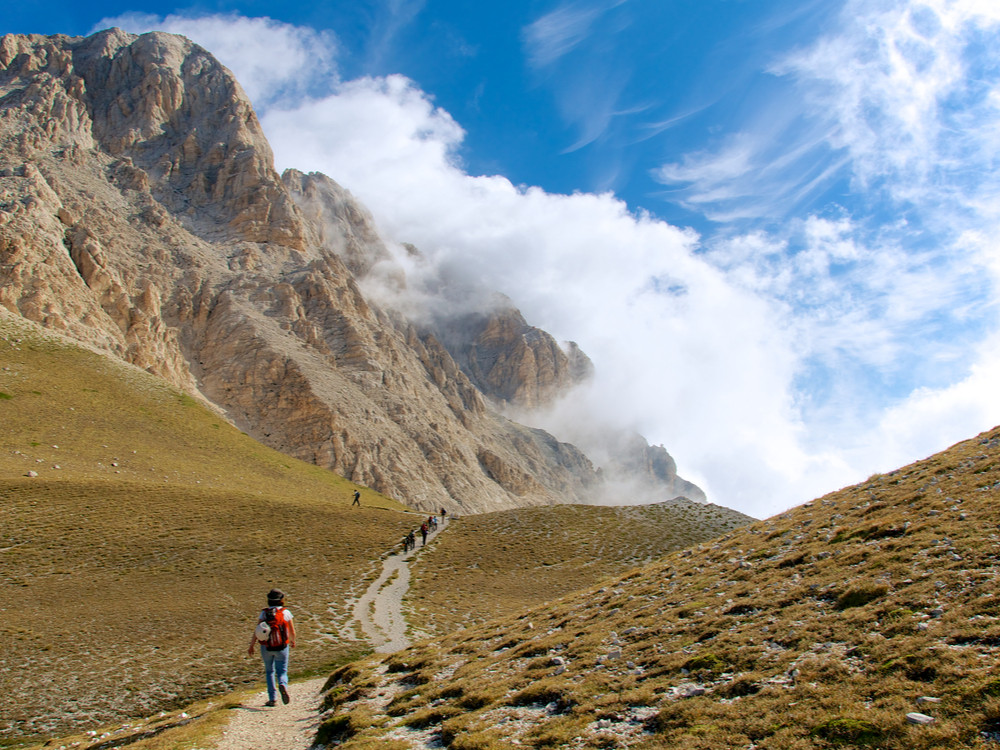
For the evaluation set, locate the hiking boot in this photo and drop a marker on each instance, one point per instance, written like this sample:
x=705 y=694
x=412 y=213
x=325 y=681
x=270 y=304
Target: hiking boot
x=270 y=704
x=284 y=694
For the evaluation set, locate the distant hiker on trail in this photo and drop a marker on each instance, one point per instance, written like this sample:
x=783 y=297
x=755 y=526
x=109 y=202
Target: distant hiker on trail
x=444 y=514
x=413 y=539
x=406 y=543
x=423 y=533
x=275 y=634
x=357 y=499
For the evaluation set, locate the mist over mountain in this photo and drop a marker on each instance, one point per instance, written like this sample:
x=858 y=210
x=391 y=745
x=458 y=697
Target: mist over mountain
x=141 y=215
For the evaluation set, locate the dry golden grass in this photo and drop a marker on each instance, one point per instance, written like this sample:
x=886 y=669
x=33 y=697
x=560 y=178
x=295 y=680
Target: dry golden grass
x=133 y=588
x=133 y=565
x=818 y=628
x=493 y=564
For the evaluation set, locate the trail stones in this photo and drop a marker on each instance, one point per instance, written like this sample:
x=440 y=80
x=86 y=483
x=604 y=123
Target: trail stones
x=559 y=663
x=919 y=718
x=689 y=690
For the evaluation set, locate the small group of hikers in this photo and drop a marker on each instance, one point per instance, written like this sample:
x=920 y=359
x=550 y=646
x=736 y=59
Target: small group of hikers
x=431 y=524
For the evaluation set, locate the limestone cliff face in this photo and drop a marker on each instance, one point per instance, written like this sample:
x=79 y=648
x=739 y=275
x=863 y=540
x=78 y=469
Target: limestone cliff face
x=511 y=361
x=140 y=213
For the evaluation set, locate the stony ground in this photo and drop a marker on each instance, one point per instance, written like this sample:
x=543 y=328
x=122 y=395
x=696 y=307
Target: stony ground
x=492 y=564
x=867 y=618
x=253 y=726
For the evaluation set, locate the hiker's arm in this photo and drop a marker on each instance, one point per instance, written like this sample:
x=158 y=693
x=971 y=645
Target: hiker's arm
x=253 y=643
x=291 y=632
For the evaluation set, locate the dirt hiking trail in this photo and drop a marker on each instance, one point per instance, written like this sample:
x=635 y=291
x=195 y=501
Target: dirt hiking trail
x=254 y=726
x=379 y=613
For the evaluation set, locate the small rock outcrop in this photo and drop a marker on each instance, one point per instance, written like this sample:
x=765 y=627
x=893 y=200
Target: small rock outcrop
x=511 y=361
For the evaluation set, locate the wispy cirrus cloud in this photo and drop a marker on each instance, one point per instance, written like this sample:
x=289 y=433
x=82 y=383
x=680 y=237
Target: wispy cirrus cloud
x=555 y=34
x=390 y=20
x=568 y=51
x=768 y=170
x=911 y=92
x=904 y=95
x=888 y=280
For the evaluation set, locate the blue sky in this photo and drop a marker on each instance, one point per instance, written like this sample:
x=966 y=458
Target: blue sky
x=772 y=225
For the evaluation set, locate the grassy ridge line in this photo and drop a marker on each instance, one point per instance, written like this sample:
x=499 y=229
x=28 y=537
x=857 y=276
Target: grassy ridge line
x=132 y=566
x=819 y=628
x=98 y=418
x=493 y=564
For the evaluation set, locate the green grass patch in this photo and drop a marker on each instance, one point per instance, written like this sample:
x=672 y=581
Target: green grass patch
x=850 y=732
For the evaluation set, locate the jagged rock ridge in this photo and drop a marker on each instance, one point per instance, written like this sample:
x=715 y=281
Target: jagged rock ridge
x=140 y=214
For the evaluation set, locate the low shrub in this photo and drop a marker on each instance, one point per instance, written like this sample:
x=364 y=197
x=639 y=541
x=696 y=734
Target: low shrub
x=334 y=697
x=846 y=731
x=405 y=702
x=395 y=666
x=429 y=717
x=916 y=667
x=450 y=691
x=991 y=688
x=738 y=688
x=342 y=727
x=709 y=662
x=558 y=733
x=860 y=595
x=543 y=693
x=676 y=716
x=478 y=741
x=823 y=670
x=794 y=561
x=473 y=701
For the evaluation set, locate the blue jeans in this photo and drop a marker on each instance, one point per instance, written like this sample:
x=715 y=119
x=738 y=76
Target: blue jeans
x=275 y=665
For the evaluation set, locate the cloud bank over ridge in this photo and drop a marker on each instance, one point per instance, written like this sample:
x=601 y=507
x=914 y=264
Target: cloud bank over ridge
x=773 y=363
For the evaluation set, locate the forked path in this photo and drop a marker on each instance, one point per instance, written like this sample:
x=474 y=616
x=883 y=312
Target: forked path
x=379 y=612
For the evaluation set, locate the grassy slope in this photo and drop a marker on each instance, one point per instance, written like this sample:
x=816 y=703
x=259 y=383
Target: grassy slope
x=132 y=566
x=496 y=563
x=818 y=628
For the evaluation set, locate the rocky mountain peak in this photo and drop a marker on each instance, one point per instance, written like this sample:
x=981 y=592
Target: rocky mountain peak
x=165 y=106
x=140 y=213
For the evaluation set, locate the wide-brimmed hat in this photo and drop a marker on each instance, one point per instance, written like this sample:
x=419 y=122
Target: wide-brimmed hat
x=275 y=596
